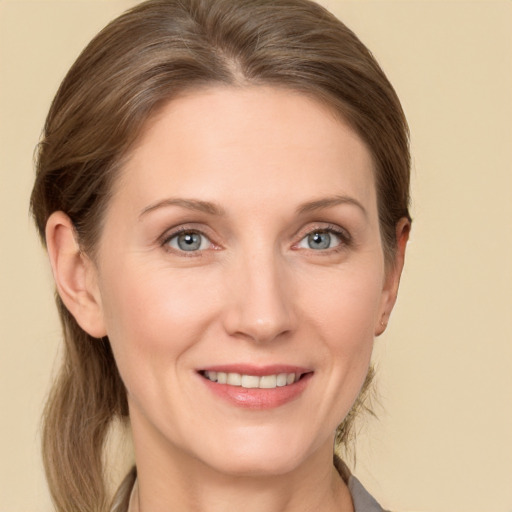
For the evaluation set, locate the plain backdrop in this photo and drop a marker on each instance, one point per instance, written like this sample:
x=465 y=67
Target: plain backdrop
x=442 y=440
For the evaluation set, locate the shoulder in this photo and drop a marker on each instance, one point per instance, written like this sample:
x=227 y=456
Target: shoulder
x=122 y=498
x=362 y=499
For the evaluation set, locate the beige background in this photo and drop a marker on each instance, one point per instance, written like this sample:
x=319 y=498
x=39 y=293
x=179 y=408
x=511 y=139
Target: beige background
x=443 y=440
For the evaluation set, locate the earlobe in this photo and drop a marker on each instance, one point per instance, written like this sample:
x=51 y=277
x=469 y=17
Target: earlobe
x=393 y=274
x=75 y=275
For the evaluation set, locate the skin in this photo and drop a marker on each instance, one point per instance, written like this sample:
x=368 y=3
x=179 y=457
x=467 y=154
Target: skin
x=274 y=167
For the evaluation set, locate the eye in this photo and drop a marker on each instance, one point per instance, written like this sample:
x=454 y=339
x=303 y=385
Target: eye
x=189 y=241
x=321 y=240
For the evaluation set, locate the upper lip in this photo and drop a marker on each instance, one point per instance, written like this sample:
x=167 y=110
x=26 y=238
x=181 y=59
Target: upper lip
x=256 y=370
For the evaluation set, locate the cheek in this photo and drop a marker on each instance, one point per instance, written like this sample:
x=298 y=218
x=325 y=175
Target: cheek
x=154 y=314
x=343 y=313
x=345 y=305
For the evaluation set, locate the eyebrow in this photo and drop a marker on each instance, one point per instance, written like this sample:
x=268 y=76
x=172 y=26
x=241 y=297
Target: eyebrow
x=213 y=209
x=189 y=204
x=329 y=202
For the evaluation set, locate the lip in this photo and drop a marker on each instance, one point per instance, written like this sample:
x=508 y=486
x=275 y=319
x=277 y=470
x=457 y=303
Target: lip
x=259 y=371
x=256 y=398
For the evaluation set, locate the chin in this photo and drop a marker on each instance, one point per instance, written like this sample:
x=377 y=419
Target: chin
x=246 y=465
x=258 y=454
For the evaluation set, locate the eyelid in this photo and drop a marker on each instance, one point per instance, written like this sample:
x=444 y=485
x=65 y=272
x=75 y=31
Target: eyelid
x=342 y=233
x=171 y=233
x=174 y=241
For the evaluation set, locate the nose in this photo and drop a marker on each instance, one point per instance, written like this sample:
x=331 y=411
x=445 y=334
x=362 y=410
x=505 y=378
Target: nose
x=260 y=302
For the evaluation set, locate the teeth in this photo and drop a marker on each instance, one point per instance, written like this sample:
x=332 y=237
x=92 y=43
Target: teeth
x=234 y=379
x=268 y=381
x=281 y=380
x=249 y=381
x=252 y=381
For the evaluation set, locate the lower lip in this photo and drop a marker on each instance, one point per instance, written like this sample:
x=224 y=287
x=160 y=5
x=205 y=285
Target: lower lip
x=257 y=398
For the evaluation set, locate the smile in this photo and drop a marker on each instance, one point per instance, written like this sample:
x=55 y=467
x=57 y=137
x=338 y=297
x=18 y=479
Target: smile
x=252 y=381
x=258 y=388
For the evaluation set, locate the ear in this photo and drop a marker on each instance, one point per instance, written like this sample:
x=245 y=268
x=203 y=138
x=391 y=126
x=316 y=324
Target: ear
x=75 y=275
x=393 y=273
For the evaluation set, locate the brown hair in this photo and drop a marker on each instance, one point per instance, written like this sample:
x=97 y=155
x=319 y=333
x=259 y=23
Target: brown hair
x=140 y=61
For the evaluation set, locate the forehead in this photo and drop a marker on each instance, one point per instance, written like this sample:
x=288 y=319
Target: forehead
x=223 y=141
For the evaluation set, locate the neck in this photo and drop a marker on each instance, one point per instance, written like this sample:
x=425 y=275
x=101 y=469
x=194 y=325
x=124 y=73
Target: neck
x=171 y=480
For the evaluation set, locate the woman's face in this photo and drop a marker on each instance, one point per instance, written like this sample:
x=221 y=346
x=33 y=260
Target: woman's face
x=241 y=278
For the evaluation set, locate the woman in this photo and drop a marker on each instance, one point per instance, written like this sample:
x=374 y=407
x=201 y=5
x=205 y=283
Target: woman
x=223 y=190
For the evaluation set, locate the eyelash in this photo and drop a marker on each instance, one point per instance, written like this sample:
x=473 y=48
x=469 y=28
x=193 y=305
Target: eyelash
x=343 y=235
x=167 y=237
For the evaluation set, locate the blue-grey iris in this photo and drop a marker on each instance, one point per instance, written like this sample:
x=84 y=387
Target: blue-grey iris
x=319 y=240
x=189 y=241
